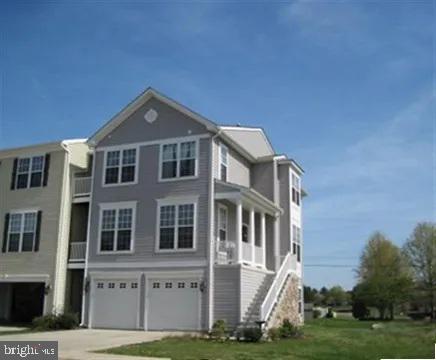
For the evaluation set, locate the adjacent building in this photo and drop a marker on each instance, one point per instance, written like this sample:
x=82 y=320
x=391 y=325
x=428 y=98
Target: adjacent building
x=165 y=221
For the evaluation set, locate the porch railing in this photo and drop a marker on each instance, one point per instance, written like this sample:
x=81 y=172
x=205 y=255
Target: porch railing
x=82 y=186
x=77 y=251
x=225 y=252
x=273 y=294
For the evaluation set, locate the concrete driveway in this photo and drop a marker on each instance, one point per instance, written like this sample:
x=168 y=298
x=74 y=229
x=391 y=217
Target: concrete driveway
x=77 y=344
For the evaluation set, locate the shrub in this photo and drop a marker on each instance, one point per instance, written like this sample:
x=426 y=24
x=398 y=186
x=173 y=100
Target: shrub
x=316 y=313
x=252 y=334
x=288 y=330
x=219 y=330
x=55 y=322
x=274 y=334
x=330 y=314
x=359 y=309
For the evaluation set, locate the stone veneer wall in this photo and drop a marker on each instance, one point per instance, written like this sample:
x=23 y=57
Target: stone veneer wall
x=287 y=307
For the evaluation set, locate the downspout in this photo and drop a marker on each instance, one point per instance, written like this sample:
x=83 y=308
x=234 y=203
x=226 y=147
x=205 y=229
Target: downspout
x=211 y=232
x=59 y=288
x=277 y=216
x=86 y=286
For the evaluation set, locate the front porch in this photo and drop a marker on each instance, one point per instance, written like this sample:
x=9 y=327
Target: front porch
x=245 y=227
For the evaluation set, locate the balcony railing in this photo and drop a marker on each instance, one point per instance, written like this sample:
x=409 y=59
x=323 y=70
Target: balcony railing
x=225 y=252
x=82 y=186
x=77 y=251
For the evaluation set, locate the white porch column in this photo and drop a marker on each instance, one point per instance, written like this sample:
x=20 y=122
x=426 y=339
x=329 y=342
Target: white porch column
x=252 y=236
x=239 y=231
x=276 y=242
x=262 y=238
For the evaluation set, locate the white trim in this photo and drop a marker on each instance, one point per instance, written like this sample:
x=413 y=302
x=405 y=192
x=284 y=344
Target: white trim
x=178 y=159
x=29 y=171
x=125 y=113
x=117 y=206
x=22 y=213
x=176 y=201
x=85 y=297
x=112 y=276
x=148 y=264
x=120 y=148
x=221 y=147
x=195 y=274
x=77 y=265
x=25 y=278
x=154 y=142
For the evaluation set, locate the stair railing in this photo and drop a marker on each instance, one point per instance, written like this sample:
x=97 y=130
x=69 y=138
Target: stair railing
x=272 y=296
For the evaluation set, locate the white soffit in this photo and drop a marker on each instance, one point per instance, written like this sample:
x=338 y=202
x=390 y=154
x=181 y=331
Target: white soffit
x=253 y=140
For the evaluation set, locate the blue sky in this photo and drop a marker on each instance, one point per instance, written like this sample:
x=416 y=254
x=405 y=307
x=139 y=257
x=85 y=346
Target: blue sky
x=344 y=87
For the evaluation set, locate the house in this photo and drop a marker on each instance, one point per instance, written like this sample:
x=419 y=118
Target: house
x=180 y=222
x=35 y=206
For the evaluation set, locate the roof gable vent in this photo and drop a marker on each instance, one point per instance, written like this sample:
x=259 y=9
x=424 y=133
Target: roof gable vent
x=151 y=116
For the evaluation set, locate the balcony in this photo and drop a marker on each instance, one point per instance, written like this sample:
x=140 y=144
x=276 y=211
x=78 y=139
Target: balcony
x=82 y=187
x=77 y=252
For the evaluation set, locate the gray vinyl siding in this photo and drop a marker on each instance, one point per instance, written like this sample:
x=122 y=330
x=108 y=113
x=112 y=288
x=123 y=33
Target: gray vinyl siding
x=152 y=273
x=251 y=279
x=169 y=124
x=227 y=294
x=48 y=200
x=285 y=228
x=238 y=171
x=262 y=179
x=269 y=230
x=146 y=192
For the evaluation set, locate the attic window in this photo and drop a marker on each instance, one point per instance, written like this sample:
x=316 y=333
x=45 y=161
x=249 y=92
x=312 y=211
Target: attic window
x=151 y=116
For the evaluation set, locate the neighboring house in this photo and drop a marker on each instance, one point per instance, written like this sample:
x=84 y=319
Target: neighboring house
x=181 y=222
x=35 y=205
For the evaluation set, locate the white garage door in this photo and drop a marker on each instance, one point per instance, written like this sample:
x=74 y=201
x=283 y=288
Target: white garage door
x=115 y=304
x=173 y=304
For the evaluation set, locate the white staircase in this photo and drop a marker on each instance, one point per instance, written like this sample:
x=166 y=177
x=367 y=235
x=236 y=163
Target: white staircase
x=269 y=294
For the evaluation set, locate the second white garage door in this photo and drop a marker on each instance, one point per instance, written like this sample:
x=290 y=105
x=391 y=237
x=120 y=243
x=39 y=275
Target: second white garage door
x=115 y=304
x=173 y=304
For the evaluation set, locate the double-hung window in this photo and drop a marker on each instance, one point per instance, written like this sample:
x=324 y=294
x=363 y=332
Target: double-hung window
x=29 y=172
x=117 y=227
x=178 y=160
x=120 y=166
x=296 y=189
x=296 y=242
x=224 y=162
x=176 y=226
x=22 y=232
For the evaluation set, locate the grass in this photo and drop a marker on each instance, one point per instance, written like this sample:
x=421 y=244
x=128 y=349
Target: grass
x=325 y=339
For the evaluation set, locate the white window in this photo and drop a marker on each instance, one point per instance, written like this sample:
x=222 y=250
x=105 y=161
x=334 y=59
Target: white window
x=222 y=223
x=176 y=226
x=296 y=242
x=224 y=162
x=22 y=232
x=122 y=285
x=134 y=285
x=117 y=225
x=29 y=172
x=296 y=193
x=156 y=285
x=168 y=285
x=194 y=285
x=120 y=166
x=111 y=285
x=178 y=160
x=181 y=285
x=100 y=285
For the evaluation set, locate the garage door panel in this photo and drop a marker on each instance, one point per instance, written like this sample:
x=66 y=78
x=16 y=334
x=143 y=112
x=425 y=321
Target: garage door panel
x=173 y=304
x=115 y=304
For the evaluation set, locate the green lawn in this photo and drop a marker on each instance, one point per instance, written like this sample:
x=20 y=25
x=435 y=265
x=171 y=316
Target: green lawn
x=324 y=339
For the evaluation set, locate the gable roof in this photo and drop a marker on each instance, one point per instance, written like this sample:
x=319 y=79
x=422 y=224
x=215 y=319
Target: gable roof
x=134 y=105
x=251 y=142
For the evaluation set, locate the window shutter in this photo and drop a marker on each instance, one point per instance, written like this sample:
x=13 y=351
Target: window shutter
x=14 y=173
x=5 y=233
x=46 y=168
x=38 y=231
